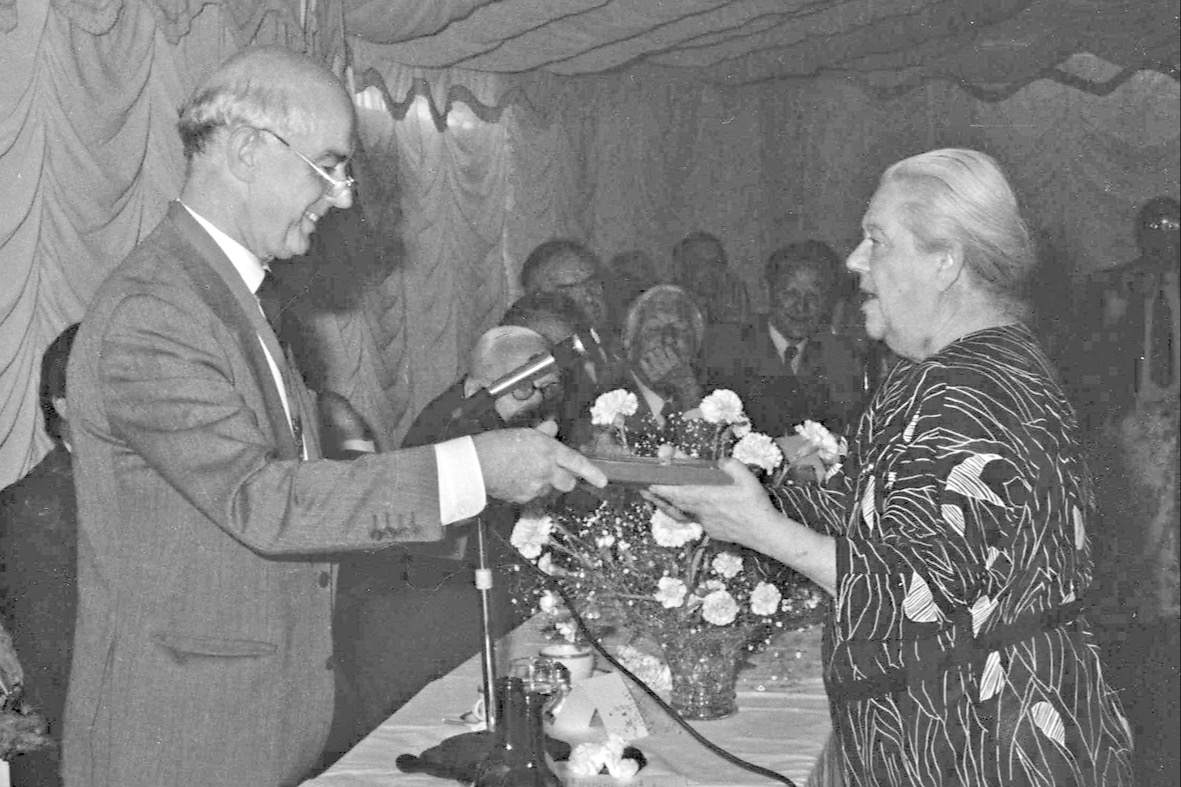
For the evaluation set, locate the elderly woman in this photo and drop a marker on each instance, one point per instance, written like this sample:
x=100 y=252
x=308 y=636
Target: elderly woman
x=954 y=539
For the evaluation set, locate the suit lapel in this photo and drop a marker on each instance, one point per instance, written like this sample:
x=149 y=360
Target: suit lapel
x=220 y=286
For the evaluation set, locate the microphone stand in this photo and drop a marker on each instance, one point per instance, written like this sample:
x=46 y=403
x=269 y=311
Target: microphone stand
x=562 y=355
x=483 y=580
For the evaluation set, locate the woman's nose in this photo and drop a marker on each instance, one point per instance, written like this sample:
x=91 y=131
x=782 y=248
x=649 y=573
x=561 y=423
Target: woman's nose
x=856 y=261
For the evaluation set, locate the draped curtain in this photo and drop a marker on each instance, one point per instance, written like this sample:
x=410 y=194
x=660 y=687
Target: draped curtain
x=488 y=165
x=640 y=158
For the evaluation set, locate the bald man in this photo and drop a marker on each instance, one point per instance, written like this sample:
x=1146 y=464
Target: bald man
x=203 y=651
x=389 y=640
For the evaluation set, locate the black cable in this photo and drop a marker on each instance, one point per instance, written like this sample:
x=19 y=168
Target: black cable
x=686 y=726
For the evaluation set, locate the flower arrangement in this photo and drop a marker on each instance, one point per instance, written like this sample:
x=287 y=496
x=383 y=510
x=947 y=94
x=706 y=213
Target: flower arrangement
x=629 y=566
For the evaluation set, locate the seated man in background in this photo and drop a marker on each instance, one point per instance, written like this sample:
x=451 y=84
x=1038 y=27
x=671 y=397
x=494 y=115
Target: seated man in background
x=557 y=317
x=629 y=273
x=789 y=367
x=568 y=267
x=700 y=266
x=1127 y=373
x=554 y=315
x=662 y=338
x=38 y=580
x=411 y=614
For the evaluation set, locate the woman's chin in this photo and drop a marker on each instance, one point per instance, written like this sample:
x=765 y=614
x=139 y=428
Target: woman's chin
x=875 y=325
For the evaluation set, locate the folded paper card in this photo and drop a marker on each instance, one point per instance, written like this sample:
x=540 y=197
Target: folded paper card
x=608 y=696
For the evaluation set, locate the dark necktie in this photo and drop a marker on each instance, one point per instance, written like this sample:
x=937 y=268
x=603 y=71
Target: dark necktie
x=789 y=355
x=271 y=302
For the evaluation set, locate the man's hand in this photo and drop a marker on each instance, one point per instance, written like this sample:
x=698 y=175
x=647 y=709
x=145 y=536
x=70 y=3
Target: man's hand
x=522 y=464
x=667 y=372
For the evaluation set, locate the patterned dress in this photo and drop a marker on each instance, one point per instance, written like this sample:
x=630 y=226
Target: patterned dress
x=956 y=652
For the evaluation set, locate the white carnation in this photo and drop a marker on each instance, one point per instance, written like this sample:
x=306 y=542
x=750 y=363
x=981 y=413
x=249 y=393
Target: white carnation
x=759 y=450
x=827 y=445
x=764 y=599
x=651 y=670
x=670 y=592
x=530 y=534
x=613 y=406
x=727 y=564
x=722 y=407
x=549 y=601
x=668 y=532
x=719 y=608
x=568 y=629
x=588 y=759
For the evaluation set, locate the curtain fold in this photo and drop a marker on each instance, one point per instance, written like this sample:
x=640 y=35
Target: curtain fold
x=89 y=160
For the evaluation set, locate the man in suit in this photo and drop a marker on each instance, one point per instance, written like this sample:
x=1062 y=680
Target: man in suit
x=700 y=266
x=411 y=588
x=38 y=538
x=207 y=517
x=567 y=266
x=788 y=367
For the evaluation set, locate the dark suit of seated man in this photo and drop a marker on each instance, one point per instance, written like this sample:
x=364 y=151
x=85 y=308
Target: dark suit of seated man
x=38 y=572
x=412 y=614
x=787 y=367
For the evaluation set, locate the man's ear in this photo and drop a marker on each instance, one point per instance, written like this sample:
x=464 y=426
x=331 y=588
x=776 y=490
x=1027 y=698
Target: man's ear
x=242 y=150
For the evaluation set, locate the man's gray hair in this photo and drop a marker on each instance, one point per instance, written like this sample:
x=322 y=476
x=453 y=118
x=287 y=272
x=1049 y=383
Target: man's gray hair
x=962 y=196
x=259 y=87
x=502 y=349
x=663 y=297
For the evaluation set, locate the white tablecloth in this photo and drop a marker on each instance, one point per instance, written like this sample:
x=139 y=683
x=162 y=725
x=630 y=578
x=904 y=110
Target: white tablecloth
x=782 y=728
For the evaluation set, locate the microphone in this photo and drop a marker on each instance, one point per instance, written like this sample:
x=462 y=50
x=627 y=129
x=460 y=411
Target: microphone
x=563 y=355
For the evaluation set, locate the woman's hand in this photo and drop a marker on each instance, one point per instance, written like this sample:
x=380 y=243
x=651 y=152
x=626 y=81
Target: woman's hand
x=742 y=512
x=737 y=512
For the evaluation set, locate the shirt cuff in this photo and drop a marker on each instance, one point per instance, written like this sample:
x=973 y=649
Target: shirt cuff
x=461 y=482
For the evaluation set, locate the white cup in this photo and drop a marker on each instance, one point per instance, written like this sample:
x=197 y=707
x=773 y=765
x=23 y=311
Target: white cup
x=578 y=659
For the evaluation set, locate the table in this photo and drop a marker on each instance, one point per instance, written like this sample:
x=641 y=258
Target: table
x=783 y=727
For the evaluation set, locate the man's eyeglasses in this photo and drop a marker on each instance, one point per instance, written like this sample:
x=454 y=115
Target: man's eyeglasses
x=523 y=393
x=335 y=188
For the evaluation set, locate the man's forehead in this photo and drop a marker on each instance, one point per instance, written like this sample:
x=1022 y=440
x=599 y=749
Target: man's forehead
x=519 y=356
x=666 y=310
x=802 y=276
x=704 y=247
x=569 y=268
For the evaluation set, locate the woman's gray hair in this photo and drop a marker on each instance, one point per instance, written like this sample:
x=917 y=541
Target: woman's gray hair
x=662 y=296
x=962 y=196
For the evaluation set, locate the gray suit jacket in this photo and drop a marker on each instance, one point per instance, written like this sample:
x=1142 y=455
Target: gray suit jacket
x=202 y=650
